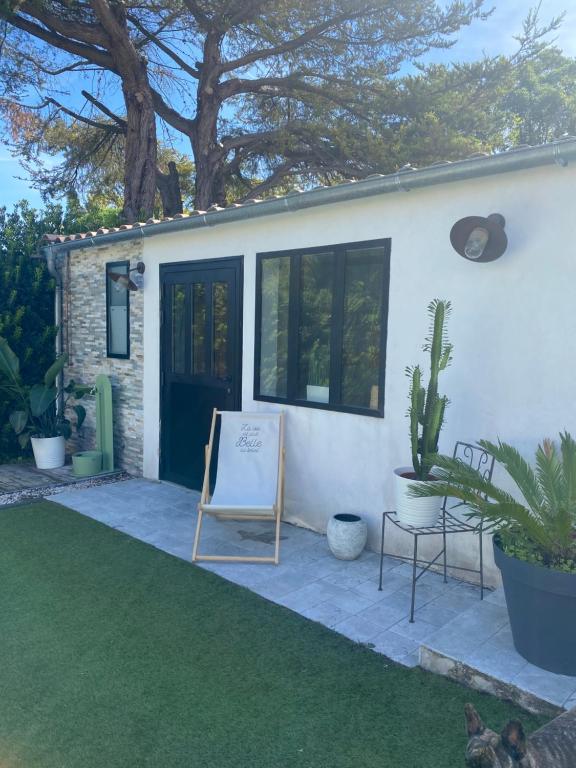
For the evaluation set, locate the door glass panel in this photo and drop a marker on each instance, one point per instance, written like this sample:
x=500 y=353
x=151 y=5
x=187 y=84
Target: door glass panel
x=198 y=328
x=199 y=337
x=316 y=288
x=178 y=328
x=274 y=327
x=362 y=331
x=220 y=330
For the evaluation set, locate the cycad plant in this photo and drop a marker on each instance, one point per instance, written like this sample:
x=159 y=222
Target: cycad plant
x=426 y=410
x=540 y=528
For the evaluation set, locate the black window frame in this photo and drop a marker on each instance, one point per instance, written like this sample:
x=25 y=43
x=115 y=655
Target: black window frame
x=114 y=355
x=336 y=340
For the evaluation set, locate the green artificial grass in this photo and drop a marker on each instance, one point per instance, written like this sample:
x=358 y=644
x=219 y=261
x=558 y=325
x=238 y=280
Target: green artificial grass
x=114 y=654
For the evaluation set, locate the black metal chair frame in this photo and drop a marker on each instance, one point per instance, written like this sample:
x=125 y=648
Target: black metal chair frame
x=476 y=457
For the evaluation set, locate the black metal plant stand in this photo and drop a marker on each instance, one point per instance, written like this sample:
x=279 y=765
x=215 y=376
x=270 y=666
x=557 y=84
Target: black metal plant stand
x=448 y=523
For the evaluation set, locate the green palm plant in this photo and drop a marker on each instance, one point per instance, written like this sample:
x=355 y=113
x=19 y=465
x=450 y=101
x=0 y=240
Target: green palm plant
x=539 y=528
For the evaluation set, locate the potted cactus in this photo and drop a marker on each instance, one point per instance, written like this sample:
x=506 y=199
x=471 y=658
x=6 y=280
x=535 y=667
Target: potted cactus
x=426 y=414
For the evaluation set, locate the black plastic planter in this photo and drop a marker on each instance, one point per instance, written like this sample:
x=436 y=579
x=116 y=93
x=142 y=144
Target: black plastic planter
x=542 y=609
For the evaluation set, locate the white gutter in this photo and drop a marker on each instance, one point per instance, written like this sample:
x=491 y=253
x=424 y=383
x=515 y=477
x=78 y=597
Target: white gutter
x=560 y=153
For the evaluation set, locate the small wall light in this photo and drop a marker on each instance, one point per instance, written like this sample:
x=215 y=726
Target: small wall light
x=480 y=239
x=123 y=281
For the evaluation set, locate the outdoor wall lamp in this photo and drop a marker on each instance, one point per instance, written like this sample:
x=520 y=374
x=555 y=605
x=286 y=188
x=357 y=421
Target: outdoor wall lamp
x=123 y=281
x=480 y=239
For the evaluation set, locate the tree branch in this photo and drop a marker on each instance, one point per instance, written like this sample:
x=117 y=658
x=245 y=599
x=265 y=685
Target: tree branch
x=245 y=11
x=163 y=47
x=275 y=178
x=94 y=123
x=103 y=108
x=90 y=34
x=52 y=72
x=88 y=52
x=282 y=86
x=230 y=143
x=202 y=18
x=183 y=124
x=296 y=42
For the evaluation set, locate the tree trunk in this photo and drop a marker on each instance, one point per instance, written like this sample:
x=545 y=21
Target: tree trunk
x=210 y=188
x=169 y=187
x=209 y=158
x=141 y=147
x=140 y=153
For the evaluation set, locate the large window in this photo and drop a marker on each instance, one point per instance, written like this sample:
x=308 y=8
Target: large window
x=321 y=327
x=118 y=309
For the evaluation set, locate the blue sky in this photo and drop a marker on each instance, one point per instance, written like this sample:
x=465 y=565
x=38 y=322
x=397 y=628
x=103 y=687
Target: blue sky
x=491 y=37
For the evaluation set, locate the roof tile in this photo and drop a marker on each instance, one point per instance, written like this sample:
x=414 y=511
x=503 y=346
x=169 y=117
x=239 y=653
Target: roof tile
x=216 y=209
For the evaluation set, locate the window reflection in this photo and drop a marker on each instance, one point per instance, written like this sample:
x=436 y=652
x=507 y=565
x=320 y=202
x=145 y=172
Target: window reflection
x=274 y=327
x=316 y=287
x=117 y=311
x=198 y=328
x=320 y=326
x=362 y=332
x=220 y=329
x=178 y=329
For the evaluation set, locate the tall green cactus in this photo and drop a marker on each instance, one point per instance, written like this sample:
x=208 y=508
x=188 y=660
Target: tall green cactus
x=426 y=411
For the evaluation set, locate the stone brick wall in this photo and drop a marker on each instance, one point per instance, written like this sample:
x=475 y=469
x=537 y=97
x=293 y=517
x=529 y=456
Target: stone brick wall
x=85 y=342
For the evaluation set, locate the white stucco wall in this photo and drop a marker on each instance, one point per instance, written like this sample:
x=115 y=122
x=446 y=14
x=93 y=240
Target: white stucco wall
x=513 y=327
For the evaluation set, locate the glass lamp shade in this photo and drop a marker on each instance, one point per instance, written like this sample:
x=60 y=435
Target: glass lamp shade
x=476 y=243
x=123 y=282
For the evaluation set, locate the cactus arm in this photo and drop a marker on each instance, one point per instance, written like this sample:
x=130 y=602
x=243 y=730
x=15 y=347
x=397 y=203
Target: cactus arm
x=426 y=406
x=415 y=412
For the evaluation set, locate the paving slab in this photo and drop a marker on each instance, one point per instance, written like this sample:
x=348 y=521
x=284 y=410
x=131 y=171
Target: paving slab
x=455 y=633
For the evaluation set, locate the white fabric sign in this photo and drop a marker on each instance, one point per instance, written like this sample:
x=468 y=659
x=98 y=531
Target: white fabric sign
x=247 y=472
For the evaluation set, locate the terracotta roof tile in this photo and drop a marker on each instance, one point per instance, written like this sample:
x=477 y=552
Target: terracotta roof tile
x=215 y=210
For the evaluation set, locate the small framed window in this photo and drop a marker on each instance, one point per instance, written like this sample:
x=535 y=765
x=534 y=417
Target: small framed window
x=321 y=317
x=117 y=309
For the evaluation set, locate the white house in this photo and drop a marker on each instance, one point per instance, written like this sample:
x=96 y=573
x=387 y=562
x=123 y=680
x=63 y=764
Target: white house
x=322 y=295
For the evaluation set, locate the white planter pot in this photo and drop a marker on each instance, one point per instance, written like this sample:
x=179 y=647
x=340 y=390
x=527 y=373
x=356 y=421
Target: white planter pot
x=418 y=513
x=347 y=535
x=317 y=394
x=49 y=452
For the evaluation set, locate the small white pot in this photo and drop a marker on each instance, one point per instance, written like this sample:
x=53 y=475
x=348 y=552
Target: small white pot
x=49 y=452
x=416 y=512
x=347 y=535
x=317 y=394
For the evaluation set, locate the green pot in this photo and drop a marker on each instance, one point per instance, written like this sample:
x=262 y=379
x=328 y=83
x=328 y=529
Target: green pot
x=87 y=463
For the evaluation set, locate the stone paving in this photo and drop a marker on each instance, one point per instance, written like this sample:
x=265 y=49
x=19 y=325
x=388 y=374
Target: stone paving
x=454 y=632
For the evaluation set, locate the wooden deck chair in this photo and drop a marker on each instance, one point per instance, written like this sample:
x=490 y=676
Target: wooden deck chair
x=250 y=475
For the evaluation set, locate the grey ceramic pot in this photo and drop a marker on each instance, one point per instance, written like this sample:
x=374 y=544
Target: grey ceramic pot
x=347 y=535
x=542 y=609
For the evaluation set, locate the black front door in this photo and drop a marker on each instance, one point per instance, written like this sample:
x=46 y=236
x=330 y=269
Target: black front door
x=201 y=341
